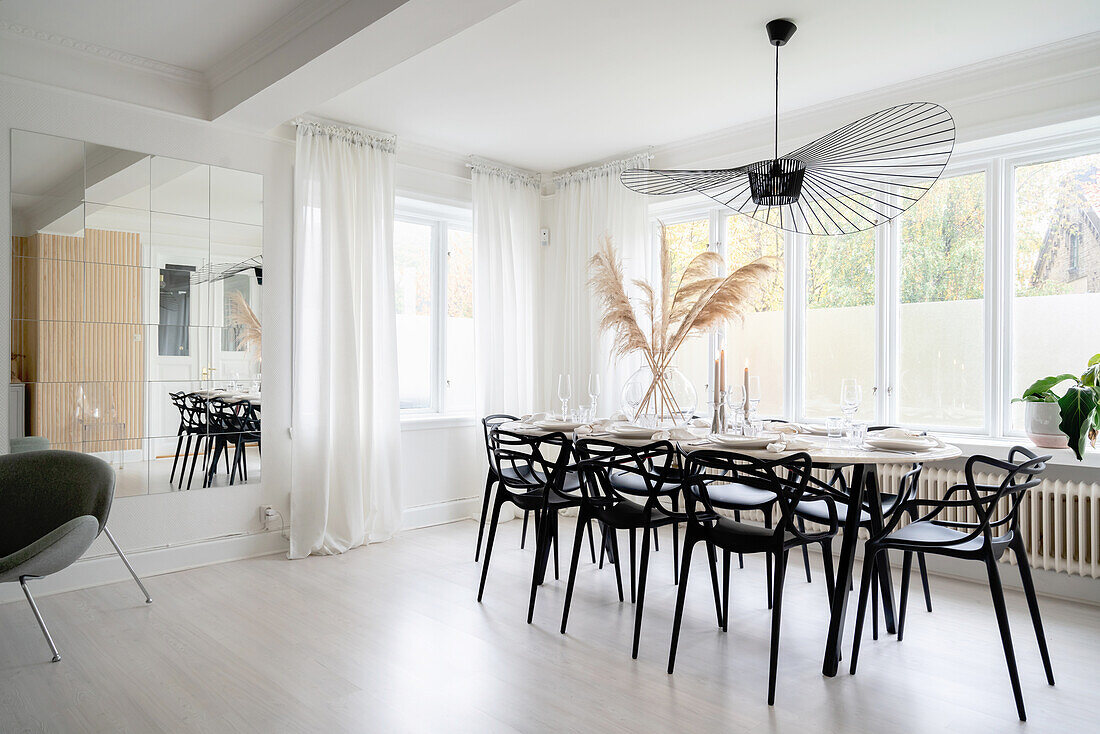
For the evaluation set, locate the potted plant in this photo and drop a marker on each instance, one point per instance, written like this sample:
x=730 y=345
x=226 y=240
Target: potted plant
x=1058 y=421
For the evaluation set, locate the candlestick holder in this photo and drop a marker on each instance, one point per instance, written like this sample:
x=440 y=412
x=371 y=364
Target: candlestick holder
x=718 y=420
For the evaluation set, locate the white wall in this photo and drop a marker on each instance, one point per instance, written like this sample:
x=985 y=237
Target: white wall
x=164 y=532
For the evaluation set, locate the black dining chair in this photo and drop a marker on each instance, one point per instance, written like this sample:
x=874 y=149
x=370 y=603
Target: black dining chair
x=177 y=399
x=654 y=480
x=533 y=474
x=487 y=424
x=994 y=529
x=224 y=426
x=196 y=428
x=789 y=479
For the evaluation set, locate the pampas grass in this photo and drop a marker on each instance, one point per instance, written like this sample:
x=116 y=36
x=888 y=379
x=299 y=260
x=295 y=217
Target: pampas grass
x=701 y=301
x=250 y=336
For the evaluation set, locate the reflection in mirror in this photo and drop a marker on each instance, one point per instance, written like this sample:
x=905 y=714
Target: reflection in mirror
x=136 y=316
x=180 y=187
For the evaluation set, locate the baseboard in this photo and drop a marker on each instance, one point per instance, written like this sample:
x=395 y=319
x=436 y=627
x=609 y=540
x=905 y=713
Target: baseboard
x=439 y=513
x=109 y=569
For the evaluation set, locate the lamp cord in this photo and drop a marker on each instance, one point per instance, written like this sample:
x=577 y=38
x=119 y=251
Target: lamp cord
x=776 y=102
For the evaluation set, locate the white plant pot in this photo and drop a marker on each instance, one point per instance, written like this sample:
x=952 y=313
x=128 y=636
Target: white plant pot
x=1042 y=421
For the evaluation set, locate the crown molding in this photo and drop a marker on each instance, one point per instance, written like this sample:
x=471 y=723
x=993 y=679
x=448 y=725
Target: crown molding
x=168 y=71
x=302 y=17
x=1083 y=52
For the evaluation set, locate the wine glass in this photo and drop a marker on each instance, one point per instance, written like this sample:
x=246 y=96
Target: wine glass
x=851 y=395
x=735 y=403
x=565 y=392
x=754 y=394
x=593 y=392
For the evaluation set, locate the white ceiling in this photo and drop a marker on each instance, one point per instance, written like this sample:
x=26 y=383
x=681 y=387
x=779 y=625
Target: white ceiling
x=193 y=35
x=549 y=84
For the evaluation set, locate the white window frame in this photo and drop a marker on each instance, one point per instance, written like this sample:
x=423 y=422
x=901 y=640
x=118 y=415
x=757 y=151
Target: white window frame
x=998 y=159
x=441 y=218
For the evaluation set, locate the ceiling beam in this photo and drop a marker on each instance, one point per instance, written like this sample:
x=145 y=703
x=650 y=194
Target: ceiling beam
x=354 y=42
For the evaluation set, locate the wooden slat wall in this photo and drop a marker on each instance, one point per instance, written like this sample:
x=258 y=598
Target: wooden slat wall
x=77 y=306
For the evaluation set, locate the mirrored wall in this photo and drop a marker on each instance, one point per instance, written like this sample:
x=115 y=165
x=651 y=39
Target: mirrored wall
x=137 y=312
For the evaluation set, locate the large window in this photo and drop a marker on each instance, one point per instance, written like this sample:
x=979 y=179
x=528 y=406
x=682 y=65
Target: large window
x=1056 y=233
x=433 y=290
x=758 y=340
x=840 y=322
x=941 y=316
x=687 y=239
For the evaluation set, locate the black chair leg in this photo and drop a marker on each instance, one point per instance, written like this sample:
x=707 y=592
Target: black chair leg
x=179 y=443
x=712 y=557
x=633 y=571
x=618 y=566
x=186 y=454
x=591 y=540
x=874 y=611
x=861 y=614
x=681 y=593
x=195 y=460
x=805 y=551
x=484 y=512
x=578 y=538
x=656 y=542
x=740 y=556
x=642 y=573
x=768 y=556
x=675 y=542
x=727 y=558
x=554 y=539
x=906 y=569
x=523 y=534
x=924 y=581
x=1032 y=603
x=603 y=545
x=546 y=537
x=827 y=561
x=777 y=608
x=1006 y=632
x=489 y=544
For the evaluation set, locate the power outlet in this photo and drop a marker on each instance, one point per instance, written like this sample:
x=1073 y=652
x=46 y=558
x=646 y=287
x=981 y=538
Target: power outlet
x=266 y=511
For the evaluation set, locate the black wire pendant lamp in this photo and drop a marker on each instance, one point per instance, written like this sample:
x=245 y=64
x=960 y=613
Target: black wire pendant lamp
x=852 y=179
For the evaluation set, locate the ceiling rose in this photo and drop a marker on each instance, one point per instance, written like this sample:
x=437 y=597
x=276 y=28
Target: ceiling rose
x=850 y=180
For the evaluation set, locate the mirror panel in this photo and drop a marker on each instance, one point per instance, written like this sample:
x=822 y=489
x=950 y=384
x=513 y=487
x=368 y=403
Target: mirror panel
x=137 y=311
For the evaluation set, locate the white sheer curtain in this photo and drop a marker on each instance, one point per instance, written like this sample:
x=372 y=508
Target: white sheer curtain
x=345 y=448
x=589 y=204
x=506 y=243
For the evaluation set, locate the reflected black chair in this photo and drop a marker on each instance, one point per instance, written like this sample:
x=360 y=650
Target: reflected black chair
x=788 y=479
x=177 y=399
x=995 y=529
x=532 y=473
x=195 y=427
x=223 y=427
x=653 y=480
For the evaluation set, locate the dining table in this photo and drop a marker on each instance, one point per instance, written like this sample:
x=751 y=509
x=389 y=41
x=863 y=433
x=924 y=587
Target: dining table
x=825 y=453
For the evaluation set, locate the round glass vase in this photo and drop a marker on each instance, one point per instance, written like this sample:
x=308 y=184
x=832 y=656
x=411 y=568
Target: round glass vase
x=667 y=402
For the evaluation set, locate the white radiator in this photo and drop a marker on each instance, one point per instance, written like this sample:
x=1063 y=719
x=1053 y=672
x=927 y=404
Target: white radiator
x=1058 y=519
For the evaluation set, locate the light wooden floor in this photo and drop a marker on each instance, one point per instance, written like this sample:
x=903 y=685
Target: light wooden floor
x=390 y=639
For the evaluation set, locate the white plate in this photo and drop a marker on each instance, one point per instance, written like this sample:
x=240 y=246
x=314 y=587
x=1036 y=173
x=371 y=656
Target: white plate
x=623 y=430
x=921 y=443
x=549 y=425
x=743 y=442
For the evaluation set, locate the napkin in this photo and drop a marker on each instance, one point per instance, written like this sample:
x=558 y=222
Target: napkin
x=898 y=433
x=700 y=423
x=534 y=417
x=618 y=418
x=674 y=434
x=789 y=443
x=783 y=428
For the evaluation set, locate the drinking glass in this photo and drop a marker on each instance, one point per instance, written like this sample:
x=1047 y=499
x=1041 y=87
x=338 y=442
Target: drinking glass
x=834 y=427
x=593 y=392
x=565 y=392
x=851 y=395
x=754 y=394
x=857 y=434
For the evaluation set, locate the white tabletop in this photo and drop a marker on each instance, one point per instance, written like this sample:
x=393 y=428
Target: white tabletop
x=822 y=450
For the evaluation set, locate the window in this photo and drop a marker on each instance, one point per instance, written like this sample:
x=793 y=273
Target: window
x=686 y=240
x=1053 y=331
x=840 y=322
x=175 y=311
x=433 y=292
x=941 y=316
x=758 y=341
x=232 y=287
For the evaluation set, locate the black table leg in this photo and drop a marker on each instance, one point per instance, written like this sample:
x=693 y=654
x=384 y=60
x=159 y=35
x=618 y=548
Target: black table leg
x=844 y=575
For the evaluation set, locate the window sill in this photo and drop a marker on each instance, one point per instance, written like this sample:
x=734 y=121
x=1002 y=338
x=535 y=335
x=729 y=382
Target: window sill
x=434 y=421
x=998 y=447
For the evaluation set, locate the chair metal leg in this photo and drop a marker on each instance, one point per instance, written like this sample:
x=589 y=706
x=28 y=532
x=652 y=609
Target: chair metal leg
x=681 y=593
x=179 y=444
x=727 y=558
x=616 y=561
x=675 y=542
x=805 y=552
x=591 y=541
x=577 y=540
x=633 y=571
x=656 y=542
x=126 y=561
x=489 y=543
x=768 y=556
x=924 y=581
x=861 y=614
x=1032 y=603
x=827 y=561
x=998 y=595
x=523 y=534
x=777 y=608
x=906 y=569
x=543 y=540
x=38 y=616
x=485 y=513
x=712 y=557
x=740 y=556
x=874 y=611
x=642 y=573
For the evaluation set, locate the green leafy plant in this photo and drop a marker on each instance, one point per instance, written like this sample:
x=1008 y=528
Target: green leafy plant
x=1079 y=407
